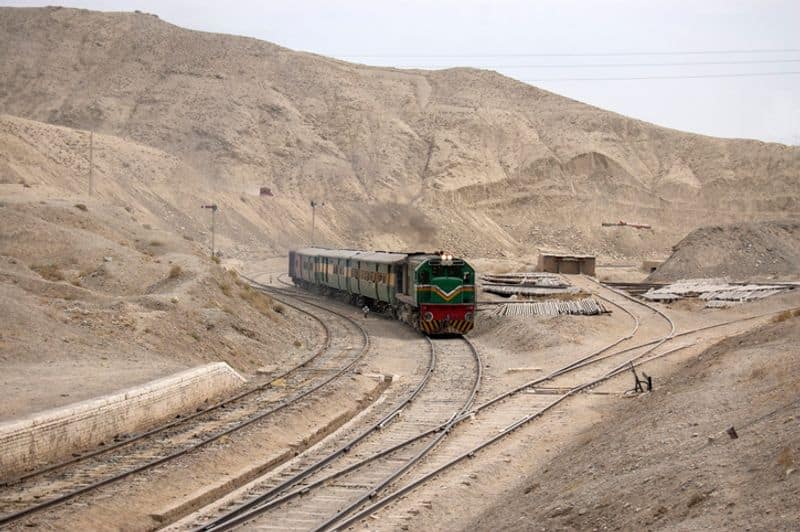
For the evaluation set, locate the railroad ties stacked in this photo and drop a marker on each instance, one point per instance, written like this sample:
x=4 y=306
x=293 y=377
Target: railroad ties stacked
x=716 y=292
x=535 y=285
x=526 y=284
x=584 y=307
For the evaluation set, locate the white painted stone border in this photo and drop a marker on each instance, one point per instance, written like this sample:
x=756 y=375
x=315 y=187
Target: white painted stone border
x=53 y=435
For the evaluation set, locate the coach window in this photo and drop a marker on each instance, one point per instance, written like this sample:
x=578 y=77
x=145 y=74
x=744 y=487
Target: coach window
x=424 y=278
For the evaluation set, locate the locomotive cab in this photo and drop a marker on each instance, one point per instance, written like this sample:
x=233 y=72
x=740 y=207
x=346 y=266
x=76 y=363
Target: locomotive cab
x=445 y=290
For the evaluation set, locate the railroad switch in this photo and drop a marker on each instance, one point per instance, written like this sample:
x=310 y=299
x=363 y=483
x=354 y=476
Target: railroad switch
x=641 y=384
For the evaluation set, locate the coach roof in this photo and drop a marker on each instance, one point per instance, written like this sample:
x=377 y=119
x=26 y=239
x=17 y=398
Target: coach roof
x=370 y=256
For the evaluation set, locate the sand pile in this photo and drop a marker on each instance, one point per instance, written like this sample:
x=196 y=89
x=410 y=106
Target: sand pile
x=744 y=251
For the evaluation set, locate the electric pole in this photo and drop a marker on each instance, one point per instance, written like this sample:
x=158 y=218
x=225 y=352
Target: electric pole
x=213 y=208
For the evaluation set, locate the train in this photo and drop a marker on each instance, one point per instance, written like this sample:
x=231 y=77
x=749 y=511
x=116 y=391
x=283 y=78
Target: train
x=432 y=292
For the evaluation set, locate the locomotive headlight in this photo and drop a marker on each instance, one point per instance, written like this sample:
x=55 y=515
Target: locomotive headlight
x=428 y=316
x=468 y=316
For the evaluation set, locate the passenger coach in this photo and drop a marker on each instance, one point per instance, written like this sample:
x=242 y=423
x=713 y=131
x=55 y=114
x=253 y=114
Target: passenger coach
x=432 y=292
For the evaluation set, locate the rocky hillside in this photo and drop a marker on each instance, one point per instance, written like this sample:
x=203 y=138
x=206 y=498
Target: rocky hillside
x=457 y=158
x=746 y=251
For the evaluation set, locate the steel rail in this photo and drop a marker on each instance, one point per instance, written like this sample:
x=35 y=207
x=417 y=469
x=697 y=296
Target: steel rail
x=183 y=419
x=264 y=503
x=519 y=423
x=422 y=453
x=153 y=463
x=256 y=510
x=280 y=280
x=380 y=424
x=629 y=297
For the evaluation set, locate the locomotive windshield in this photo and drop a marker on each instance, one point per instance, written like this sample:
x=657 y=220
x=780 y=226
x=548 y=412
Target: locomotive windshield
x=446 y=271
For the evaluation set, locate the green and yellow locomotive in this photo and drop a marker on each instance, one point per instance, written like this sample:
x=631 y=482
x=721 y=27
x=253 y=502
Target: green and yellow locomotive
x=434 y=293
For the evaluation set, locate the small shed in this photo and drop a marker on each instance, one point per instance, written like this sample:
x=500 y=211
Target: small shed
x=650 y=266
x=566 y=263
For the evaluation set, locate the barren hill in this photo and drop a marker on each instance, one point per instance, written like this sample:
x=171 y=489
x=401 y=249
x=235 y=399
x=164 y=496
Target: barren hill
x=458 y=158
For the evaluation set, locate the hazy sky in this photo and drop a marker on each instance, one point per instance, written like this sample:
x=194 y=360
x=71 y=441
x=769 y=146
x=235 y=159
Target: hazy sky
x=549 y=43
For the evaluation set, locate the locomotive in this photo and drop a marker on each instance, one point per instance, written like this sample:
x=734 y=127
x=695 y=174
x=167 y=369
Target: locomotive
x=434 y=293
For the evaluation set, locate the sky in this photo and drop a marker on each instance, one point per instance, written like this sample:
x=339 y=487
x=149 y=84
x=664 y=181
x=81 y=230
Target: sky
x=685 y=64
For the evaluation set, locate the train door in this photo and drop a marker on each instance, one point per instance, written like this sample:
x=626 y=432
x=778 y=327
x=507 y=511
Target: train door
x=381 y=286
x=399 y=278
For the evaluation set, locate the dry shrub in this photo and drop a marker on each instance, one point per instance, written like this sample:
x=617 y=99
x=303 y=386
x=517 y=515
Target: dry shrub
x=156 y=243
x=785 y=458
x=298 y=343
x=51 y=272
x=188 y=237
x=215 y=258
x=81 y=207
x=696 y=499
x=175 y=271
x=277 y=307
x=257 y=300
x=785 y=315
x=226 y=287
x=758 y=373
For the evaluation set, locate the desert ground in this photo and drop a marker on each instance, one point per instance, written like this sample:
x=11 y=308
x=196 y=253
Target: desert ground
x=115 y=130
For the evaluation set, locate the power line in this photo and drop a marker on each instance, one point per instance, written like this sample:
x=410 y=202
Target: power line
x=587 y=54
x=618 y=65
x=697 y=76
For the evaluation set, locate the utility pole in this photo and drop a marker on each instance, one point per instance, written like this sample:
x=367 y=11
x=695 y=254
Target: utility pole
x=213 y=208
x=91 y=163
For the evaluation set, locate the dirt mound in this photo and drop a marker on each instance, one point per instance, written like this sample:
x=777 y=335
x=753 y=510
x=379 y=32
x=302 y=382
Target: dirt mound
x=665 y=461
x=93 y=300
x=743 y=251
x=461 y=152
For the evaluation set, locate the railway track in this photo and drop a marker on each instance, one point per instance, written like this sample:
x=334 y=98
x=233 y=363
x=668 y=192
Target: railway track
x=285 y=512
x=462 y=449
x=521 y=405
x=309 y=495
x=56 y=484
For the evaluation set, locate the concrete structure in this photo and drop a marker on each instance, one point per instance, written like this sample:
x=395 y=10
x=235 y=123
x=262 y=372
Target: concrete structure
x=650 y=266
x=564 y=263
x=53 y=435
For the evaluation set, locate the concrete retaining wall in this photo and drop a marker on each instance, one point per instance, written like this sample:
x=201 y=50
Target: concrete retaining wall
x=53 y=435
